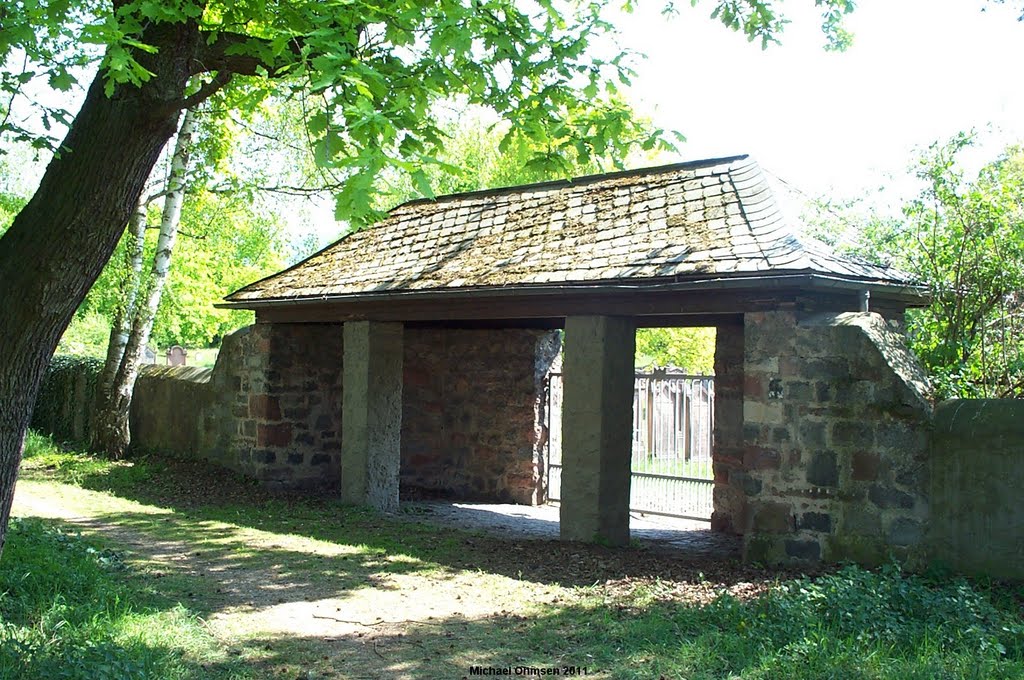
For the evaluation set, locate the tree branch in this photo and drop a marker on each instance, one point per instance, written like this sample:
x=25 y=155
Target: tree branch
x=235 y=53
x=207 y=90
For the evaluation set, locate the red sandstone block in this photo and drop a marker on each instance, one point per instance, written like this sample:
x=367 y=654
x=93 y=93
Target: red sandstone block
x=414 y=376
x=761 y=459
x=274 y=435
x=865 y=466
x=264 y=406
x=752 y=387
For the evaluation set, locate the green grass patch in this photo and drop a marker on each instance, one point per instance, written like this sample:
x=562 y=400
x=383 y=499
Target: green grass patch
x=44 y=457
x=618 y=614
x=697 y=469
x=852 y=624
x=66 y=611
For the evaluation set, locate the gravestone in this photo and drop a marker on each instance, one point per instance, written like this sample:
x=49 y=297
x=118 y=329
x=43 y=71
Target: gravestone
x=176 y=356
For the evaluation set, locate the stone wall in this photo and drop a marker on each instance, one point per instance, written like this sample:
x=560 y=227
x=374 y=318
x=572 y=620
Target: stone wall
x=976 y=473
x=277 y=415
x=183 y=399
x=835 y=421
x=473 y=411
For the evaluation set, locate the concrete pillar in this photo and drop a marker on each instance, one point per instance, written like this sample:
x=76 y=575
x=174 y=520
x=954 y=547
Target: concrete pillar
x=597 y=428
x=371 y=421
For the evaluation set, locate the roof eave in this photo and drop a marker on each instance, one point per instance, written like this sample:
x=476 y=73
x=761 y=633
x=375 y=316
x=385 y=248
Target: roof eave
x=910 y=294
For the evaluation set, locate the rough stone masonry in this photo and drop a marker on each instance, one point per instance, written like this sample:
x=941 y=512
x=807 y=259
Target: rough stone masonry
x=830 y=460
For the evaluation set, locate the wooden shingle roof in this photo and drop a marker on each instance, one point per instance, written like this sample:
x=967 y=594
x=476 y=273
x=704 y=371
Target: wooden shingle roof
x=693 y=221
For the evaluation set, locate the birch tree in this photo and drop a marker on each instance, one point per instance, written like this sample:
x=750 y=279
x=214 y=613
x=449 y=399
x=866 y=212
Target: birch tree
x=111 y=433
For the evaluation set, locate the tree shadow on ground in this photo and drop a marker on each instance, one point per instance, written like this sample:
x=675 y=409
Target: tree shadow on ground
x=662 y=639
x=205 y=492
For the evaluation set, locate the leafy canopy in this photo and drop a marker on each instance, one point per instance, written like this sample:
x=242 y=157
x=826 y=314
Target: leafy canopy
x=368 y=74
x=963 y=236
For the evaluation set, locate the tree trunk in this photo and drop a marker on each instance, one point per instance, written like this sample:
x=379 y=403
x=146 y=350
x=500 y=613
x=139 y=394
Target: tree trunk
x=60 y=241
x=121 y=326
x=113 y=435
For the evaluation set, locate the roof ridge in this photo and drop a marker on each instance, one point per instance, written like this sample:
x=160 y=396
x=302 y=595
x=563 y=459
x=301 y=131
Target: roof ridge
x=741 y=199
x=581 y=180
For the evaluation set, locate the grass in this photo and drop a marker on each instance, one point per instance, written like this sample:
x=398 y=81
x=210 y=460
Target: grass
x=430 y=602
x=204 y=357
x=696 y=469
x=65 y=613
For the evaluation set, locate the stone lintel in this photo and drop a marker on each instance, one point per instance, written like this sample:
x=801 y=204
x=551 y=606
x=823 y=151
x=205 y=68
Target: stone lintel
x=371 y=414
x=597 y=424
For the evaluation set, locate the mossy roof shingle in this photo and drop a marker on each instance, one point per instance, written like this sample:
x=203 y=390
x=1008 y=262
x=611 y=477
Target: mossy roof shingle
x=714 y=218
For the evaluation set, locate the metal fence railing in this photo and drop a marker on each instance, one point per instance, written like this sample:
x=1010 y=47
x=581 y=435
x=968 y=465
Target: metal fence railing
x=673 y=421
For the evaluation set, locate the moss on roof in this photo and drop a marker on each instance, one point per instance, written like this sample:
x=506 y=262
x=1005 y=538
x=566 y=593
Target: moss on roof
x=715 y=217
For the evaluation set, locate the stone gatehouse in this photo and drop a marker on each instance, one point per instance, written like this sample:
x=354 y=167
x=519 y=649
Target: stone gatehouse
x=414 y=353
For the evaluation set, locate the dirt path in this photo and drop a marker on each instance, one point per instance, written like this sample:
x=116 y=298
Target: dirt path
x=343 y=629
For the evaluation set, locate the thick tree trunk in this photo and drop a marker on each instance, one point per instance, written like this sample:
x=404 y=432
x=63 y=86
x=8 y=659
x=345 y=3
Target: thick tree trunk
x=112 y=434
x=59 y=242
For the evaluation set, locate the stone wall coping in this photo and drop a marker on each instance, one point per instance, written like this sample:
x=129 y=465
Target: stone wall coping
x=890 y=344
x=193 y=374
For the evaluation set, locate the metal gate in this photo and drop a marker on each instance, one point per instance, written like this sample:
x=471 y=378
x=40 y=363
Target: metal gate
x=673 y=418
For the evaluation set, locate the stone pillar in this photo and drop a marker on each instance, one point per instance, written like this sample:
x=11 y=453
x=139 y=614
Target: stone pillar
x=731 y=481
x=371 y=420
x=597 y=425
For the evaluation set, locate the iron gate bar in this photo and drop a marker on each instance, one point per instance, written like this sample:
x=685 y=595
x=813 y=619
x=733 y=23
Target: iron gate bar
x=655 y=475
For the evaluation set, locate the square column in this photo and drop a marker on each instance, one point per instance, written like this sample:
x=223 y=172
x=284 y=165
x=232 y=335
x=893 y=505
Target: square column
x=371 y=421
x=597 y=428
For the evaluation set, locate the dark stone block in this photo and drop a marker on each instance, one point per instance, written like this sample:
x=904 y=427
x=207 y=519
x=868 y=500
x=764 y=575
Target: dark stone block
x=822 y=469
x=858 y=519
x=325 y=422
x=295 y=458
x=905 y=532
x=816 y=521
x=264 y=457
x=780 y=435
x=749 y=485
x=865 y=466
x=812 y=434
x=899 y=437
x=773 y=518
x=800 y=391
x=885 y=497
x=297 y=413
x=320 y=459
x=854 y=434
x=803 y=550
x=823 y=391
x=751 y=433
x=831 y=368
x=912 y=477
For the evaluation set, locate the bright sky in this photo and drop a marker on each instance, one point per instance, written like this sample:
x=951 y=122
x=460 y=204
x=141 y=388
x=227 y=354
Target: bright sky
x=919 y=71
